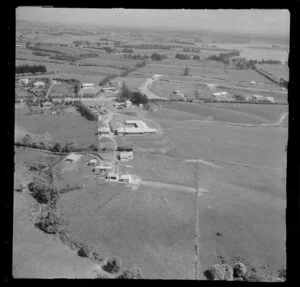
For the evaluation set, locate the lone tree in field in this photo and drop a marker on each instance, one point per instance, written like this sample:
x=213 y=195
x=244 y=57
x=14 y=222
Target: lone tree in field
x=186 y=71
x=113 y=265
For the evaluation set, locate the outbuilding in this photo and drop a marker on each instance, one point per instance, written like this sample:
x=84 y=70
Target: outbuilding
x=92 y=162
x=125 y=155
x=24 y=81
x=126 y=178
x=111 y=176
x=38 y=84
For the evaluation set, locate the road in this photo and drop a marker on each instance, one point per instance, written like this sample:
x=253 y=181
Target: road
x=49 y=90
x=143 y=88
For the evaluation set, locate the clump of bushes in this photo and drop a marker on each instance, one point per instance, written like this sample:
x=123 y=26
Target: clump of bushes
x=219 y=272
x=84 y=250
x=239 y=270
x=113 y=265
x=42 y=191
x=51 y=222
x=131 y=273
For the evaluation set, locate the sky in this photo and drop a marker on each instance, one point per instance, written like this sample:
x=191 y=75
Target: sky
x=248 y=21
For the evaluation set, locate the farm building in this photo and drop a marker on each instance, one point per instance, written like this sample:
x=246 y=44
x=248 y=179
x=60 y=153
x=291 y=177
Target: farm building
x=85 y=85
x=126 y=178
x=220 y=94
x=253 y=82
x=108 y=89
x=54 y=82
x=271 y=99
x=111 y=176
x=135 y=127
x=128 y=103
x=92 y=162
x=38 y=84
x=47 y=105
x=117 y=105
x=24 y=81
x=102 y=168
x=125 y=155
x=72 y=157
x=258 y=97
x=103 y=131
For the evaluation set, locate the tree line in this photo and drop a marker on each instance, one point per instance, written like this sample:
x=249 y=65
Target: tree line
x=186 y=57
x=85 y=111
x=24 y=69
x=224 y=57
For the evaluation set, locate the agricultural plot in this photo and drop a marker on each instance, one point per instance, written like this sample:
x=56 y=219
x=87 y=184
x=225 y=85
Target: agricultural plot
x=152 y=229
x=62 y=89
x=278 y=71
x=61 y=128
x=233 y=113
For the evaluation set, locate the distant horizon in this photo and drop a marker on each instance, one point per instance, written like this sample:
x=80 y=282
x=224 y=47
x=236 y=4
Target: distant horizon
x=175 y=20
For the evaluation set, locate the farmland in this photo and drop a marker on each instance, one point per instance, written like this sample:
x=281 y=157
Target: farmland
x=61 y=128
x=231 y=154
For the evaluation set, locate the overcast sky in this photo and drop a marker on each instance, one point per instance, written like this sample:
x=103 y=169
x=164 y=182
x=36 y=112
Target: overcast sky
x=264 y=21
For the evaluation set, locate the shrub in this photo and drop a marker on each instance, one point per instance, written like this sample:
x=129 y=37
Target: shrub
x=219 y=272
x=96 y=257
x=51 y=223
x=239 y=270
x=102 y=276
x=113 y=265
x=42 y=191
x=282 y=274
x=131 y=273
x=84 y=250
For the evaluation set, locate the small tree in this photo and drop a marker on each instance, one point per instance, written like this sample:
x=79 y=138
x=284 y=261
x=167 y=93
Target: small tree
x=83 y=250
x=186 y=71
x=57 y=147
x=131 y=273
x=27 y=140
x=113 y=265
x=219 y=272
x=239 y=270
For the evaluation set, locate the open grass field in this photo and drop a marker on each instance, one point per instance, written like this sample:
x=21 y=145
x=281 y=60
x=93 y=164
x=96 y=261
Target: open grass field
x=234 y=113
x=140 y=227
x=61 y=128
x=35 y=254
x=278 y=71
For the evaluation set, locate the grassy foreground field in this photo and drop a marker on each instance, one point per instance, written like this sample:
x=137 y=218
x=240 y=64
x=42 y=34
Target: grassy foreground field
x=61 y=128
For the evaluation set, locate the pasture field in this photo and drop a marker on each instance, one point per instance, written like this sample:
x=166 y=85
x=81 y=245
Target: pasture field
x=62 y=88
x=35 y=254
x=234 y=113
x=61 y=128
x=278 y=71
x=77 y=70
x=152 y=229
x=246 y=194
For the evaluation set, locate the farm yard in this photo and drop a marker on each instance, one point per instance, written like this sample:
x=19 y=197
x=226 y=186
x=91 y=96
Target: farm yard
x=208 y=184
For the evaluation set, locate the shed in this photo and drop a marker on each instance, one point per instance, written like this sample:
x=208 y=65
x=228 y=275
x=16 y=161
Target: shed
x=38 y=84
x=112 y=176
x=126 y=178
x=125 y=155
x=128 y=103
x=92 y=162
